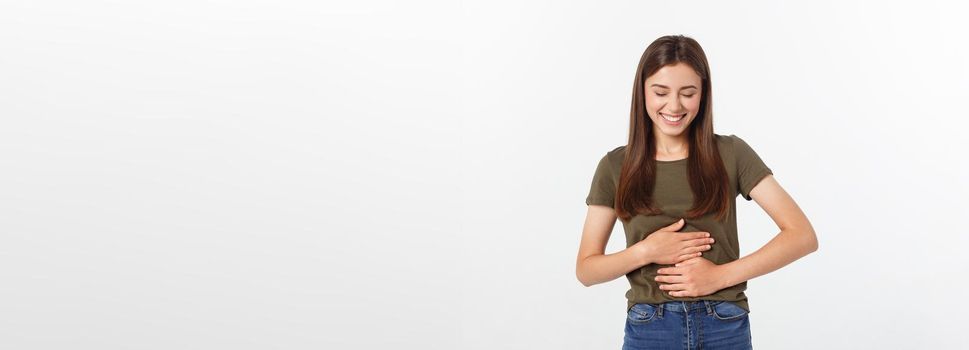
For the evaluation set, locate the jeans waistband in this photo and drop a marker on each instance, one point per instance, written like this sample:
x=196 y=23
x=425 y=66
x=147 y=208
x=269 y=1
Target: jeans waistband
x=685 y=306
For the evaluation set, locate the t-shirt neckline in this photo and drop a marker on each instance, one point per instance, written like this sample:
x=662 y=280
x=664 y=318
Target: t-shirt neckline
x=671 y=161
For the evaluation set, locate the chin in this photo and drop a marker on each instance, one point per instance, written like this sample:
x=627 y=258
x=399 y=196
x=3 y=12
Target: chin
x=677 y=133
x=672 y=131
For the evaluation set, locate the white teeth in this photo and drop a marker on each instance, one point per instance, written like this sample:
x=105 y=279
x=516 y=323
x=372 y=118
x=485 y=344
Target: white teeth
x=672 y=119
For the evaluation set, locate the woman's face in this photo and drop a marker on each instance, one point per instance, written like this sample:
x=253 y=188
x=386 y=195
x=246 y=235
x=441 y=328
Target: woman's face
x=673 y=98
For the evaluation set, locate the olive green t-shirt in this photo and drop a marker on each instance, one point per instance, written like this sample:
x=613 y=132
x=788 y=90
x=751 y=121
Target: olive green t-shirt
x=674 y=197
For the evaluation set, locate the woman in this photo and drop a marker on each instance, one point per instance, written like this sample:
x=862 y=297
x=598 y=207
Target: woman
x=674 y=186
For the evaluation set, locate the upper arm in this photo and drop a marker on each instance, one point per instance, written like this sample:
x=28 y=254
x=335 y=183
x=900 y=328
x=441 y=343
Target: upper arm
x=779 y=205
x=755 y=181
x=602 y=190
x=601 y=215
x=599 y=221
x=751 y=169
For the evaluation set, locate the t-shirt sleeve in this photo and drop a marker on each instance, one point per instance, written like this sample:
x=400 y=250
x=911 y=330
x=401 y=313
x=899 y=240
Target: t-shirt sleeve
x=603 y=189
x=750 y=168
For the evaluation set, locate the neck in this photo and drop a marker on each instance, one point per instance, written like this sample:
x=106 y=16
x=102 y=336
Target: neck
x=671 y=145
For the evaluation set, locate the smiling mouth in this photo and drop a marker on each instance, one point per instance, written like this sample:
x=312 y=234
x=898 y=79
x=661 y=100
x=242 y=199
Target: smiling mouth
x=672 y=118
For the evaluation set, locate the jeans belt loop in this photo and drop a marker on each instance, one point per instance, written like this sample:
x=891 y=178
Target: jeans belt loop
x=709 y=308
x=659 y=313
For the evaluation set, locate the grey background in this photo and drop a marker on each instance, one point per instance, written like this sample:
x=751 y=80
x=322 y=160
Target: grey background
x=362 y=175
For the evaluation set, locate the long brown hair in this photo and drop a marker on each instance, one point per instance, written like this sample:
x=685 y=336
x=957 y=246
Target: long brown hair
x=707 y=174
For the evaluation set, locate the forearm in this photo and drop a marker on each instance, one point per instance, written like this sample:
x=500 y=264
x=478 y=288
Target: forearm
x=786 y=247
x=601 y=268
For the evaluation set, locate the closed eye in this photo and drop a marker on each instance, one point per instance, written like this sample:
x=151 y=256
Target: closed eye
x=659 y=94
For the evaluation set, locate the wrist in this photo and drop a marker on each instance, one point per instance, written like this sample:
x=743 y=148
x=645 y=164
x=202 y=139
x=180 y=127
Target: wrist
x=729 y=275
x=644 y=253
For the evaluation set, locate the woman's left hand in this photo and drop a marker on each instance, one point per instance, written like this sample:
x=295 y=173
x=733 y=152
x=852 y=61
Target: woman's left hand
x=695 y=277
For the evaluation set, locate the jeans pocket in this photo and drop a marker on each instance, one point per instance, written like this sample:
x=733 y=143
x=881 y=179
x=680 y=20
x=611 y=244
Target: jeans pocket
x=641 y=313
x=728 y=311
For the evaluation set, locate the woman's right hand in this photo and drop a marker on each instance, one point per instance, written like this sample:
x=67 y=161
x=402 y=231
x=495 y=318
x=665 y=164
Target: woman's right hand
x=667 y=246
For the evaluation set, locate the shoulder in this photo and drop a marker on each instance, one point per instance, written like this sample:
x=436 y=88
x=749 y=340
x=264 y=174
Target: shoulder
x=616 y=155
x=619 y=150
x=612 y=160
x=724 y=144
x=734 y=140
x=731 y=143
x=738 y=145
x=728 y=140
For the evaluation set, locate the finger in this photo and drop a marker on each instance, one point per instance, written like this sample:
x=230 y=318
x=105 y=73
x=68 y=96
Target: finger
x=676 y=226
x=687 y=256
x=694 y=249
x=669 y=279
x=669 y=271
x=688 y=262
x=694 y=235
x=699 y=242
x=674 y=286
x=682 y=293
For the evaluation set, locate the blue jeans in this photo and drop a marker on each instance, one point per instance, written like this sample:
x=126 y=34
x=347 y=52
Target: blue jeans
x=702 y=324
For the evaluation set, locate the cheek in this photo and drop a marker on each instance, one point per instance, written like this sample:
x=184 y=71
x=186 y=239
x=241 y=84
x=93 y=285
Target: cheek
x=653 y=104
x=694 y=103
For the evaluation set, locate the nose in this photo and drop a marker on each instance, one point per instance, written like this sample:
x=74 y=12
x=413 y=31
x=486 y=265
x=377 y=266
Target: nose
x=675 y=106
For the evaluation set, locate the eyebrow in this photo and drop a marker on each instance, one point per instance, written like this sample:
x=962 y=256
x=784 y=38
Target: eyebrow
x=667 y=87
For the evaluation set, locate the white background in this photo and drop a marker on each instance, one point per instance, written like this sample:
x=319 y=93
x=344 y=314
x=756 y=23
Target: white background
x=363 y=175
